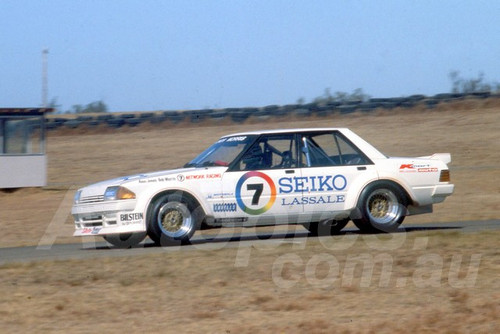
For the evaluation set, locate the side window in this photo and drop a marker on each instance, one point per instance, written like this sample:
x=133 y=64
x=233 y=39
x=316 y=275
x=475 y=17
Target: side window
x=330 y=149
x=270 y=152
x=349 y=154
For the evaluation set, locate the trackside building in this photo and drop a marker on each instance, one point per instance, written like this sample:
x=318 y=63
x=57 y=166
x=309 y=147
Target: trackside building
x=23 y=162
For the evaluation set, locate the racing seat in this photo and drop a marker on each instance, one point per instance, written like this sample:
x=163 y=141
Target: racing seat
x=286 y=160
x=253 y=158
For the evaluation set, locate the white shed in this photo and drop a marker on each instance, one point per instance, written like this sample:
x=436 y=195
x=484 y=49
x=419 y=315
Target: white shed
x=23 y=162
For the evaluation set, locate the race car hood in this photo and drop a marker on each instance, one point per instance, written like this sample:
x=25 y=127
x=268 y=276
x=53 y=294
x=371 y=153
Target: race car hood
x=99 y=188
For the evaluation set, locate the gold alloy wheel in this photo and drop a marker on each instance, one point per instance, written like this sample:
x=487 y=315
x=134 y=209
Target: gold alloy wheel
x=383 y=206
x=379 y=206
x=172 y=221
x=175 y=220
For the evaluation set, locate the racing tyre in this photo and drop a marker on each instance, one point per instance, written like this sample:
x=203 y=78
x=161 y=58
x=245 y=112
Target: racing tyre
x=173 y=219
x=381 y=208
x=326 y=227
x=126 y=240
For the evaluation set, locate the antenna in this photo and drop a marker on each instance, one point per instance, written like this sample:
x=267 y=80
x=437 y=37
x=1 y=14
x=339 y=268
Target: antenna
x=45 y=83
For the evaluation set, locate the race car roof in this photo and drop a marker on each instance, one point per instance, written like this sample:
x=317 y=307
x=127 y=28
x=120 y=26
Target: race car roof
x=277 y=131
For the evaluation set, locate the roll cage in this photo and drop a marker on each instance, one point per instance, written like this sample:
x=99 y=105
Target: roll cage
x=303 y=151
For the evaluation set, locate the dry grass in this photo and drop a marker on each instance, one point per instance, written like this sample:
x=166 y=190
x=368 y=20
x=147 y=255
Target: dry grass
x=469 y=130
x=370 y=284
x=204 y=292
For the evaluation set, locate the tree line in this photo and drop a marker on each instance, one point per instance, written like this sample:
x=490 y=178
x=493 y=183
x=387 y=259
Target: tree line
x=458 y=85
x=92 y=107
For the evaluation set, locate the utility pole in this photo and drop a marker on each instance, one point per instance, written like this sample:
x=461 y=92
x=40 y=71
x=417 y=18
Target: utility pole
x=45 y=83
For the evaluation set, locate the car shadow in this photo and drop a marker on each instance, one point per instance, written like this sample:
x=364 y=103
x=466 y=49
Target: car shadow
x=262 y=236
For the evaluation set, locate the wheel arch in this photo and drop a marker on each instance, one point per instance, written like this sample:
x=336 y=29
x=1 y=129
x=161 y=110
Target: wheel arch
x=181 y=192
x=392 y=215
x=392 y=182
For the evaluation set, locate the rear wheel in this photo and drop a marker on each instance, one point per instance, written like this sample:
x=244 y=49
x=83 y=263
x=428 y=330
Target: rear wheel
x=173 y=219
x=125 y=240
x=382 y=208
x=326 y=227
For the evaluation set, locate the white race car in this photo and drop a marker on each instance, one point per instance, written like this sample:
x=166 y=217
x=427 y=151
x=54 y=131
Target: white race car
x=321 y=178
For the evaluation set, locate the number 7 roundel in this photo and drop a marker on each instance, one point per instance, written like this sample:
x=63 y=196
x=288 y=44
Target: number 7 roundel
x=257 y=187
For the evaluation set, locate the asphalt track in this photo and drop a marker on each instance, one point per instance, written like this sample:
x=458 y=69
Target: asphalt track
x=216 y=240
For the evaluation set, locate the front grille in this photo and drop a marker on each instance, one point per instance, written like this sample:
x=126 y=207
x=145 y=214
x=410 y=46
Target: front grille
x=93 y=224
x=91 y=221
x=87 y=221
x=92 y=218
x=91 y=199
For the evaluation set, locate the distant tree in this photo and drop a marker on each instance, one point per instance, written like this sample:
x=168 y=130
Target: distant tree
x=76 y=109
x=356 y=95
x=96 y=107
x=466 y=86
x=54 y=105
x=341 y=97
x=359 y=95
x=93 y=107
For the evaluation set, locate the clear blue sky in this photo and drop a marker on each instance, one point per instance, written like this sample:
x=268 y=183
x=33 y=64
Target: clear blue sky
x=159 y=55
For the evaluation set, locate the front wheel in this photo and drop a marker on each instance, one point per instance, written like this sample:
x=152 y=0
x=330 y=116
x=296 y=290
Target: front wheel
x=381 y=208
x=173 y=219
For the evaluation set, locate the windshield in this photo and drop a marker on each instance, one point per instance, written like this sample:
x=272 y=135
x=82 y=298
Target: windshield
x=223 y=152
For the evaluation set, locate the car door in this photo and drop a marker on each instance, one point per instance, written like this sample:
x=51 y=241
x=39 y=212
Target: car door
x=331 y=167
x=257 y=186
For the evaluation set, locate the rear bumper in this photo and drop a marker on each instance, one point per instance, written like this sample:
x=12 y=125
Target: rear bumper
x=441 y=192
x=431 y=194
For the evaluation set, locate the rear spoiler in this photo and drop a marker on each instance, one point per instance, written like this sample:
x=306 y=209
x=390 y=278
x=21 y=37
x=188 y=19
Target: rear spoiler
x=444 y=157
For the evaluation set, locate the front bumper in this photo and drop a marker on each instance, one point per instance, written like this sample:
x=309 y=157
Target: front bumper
x=103 y=218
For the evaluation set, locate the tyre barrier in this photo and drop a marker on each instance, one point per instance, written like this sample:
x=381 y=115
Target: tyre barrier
x=219 y=115
x=125 y=116
x=85 y=118
x=115 y=122
x=197 y=116
x=262 y=113
x=274 y=110
x=481 y=95
x=93 y=123
x=73 y=123
x=239 y=115
x=302 y=112
x=174 y=116
x=104 y=117
x=416 y=97
x=146 y=115
x=324 y=111
x=133 y=121
x=347 y=109
x=157 y=119
x=431 y=103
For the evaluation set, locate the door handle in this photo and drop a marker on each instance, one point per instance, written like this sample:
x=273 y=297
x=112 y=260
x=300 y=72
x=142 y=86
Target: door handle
x=362 y=168
x=290 y=171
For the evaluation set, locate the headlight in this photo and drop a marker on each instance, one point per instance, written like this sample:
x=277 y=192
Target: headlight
x=77 y=196
x=117 y=192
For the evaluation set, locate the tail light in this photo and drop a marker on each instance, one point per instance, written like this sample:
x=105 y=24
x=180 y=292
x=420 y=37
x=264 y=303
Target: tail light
x=444 y=176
